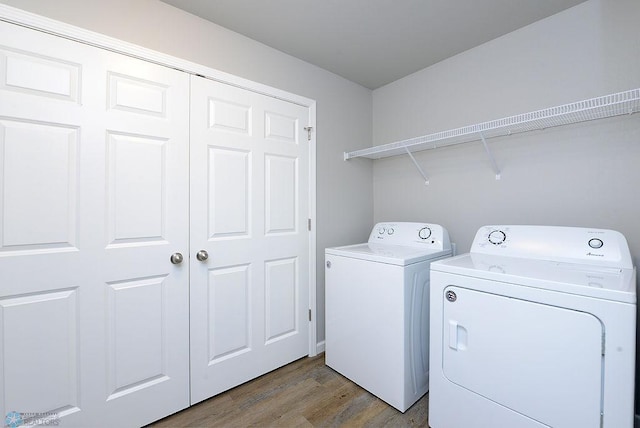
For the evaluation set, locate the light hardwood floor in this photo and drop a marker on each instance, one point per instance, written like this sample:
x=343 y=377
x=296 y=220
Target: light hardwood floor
x=305 y=393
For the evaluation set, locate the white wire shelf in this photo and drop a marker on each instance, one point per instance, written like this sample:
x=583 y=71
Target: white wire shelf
x=622 y=103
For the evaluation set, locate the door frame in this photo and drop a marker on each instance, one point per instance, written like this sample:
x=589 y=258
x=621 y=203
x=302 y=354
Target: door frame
x=36 y=22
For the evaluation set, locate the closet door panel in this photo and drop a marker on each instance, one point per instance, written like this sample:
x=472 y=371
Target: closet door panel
x=249 y=205
x=229 y=206
x=145 y=146
x=39 y=185
x=93 y=201
x=45 y=246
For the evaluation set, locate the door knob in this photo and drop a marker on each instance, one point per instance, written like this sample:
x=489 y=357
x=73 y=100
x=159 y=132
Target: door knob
x=176 y=258
x=202 y=255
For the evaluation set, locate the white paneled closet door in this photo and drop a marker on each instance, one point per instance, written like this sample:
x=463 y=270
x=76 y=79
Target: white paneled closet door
x=93 y=202
x=249 y=210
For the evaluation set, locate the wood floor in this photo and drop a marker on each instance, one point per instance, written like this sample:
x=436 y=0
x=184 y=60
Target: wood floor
x=305 y=393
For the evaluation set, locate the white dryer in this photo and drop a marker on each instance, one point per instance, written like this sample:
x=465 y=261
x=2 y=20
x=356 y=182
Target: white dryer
x=377 y=309
x=535 y=327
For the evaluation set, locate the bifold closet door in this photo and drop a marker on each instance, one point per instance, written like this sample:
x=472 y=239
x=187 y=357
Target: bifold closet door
x=93 y=202
x=249 y=208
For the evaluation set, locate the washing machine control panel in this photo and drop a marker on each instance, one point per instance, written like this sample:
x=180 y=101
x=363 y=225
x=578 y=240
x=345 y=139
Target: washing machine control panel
x=423 y=235
x=600 y=247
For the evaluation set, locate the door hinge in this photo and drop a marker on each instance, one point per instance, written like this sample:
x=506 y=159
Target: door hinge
x=309 y=224
x=308 y=129
x=309 y=314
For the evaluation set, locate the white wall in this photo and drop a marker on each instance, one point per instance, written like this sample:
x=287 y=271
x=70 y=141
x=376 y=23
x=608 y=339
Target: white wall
x=344 y=191
x=583 y=175
x=580 y=175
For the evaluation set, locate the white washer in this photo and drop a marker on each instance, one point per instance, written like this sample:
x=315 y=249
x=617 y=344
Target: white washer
x=377 y=309
x=534 y=328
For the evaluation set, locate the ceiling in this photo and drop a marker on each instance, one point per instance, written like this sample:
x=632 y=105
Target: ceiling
x=373 y=42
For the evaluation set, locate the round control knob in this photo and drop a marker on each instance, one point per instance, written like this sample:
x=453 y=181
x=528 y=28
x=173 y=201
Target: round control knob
x=424 y=233
x=381 y=230
x=596 y=243
x=390 y=231
x=497 y=237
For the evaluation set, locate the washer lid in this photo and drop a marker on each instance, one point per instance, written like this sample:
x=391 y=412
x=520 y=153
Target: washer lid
x=608 y=283
x=391 y=254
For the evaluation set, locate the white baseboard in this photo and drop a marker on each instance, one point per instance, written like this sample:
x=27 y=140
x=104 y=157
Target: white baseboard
x=320 y=347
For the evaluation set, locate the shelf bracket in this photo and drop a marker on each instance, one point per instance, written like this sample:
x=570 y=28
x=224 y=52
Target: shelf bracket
x=420 y=170
x=491 y=158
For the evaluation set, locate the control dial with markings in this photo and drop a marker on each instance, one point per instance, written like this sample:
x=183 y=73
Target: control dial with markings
x=424 y=233
x=497 y=237
x=596 y=243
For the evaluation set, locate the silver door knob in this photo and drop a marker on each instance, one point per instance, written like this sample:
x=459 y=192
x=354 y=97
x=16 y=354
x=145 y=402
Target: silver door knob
x=202 y=255
x=176 y=258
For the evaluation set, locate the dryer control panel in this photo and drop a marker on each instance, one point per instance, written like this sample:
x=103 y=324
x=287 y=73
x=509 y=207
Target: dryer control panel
x=422 y=235
x=597 y=247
